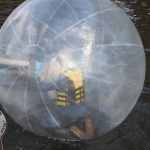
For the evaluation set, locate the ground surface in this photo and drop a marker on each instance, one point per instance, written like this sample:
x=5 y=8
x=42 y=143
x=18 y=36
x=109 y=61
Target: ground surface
x=132 y=134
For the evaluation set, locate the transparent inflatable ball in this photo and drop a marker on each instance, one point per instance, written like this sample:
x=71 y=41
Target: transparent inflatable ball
x=70 y=69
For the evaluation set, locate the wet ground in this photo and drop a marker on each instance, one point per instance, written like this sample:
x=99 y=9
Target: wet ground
x=132 y=134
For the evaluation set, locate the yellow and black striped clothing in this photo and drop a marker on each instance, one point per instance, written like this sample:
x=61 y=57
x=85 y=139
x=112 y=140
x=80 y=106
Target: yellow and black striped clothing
x=69 y=87
x=74 y=91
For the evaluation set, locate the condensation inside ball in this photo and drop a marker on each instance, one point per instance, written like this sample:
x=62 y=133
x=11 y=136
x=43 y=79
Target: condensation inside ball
x=92 y=40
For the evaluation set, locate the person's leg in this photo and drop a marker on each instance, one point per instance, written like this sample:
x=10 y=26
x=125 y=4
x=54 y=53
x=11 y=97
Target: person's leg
x=78 y=116
x=1 y=144
x=74 y=111
x=89 y=130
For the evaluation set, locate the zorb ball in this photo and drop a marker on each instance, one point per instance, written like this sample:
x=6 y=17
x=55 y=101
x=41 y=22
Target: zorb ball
x=70 y=69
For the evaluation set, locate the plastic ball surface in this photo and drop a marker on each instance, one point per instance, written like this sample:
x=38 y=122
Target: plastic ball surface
x=70 y=69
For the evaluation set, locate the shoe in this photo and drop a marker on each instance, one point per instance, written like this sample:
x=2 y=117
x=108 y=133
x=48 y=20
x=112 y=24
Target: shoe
x=89 y=130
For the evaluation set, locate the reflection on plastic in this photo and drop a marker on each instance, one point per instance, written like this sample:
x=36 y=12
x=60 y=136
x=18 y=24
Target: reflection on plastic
x=70 y=69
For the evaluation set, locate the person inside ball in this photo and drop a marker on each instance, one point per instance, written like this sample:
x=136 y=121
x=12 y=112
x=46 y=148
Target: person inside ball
x=69 y=87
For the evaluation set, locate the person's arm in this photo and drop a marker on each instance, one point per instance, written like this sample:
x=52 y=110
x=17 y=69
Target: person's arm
x=43 y=76
x=59 y=83
x=47 y=86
